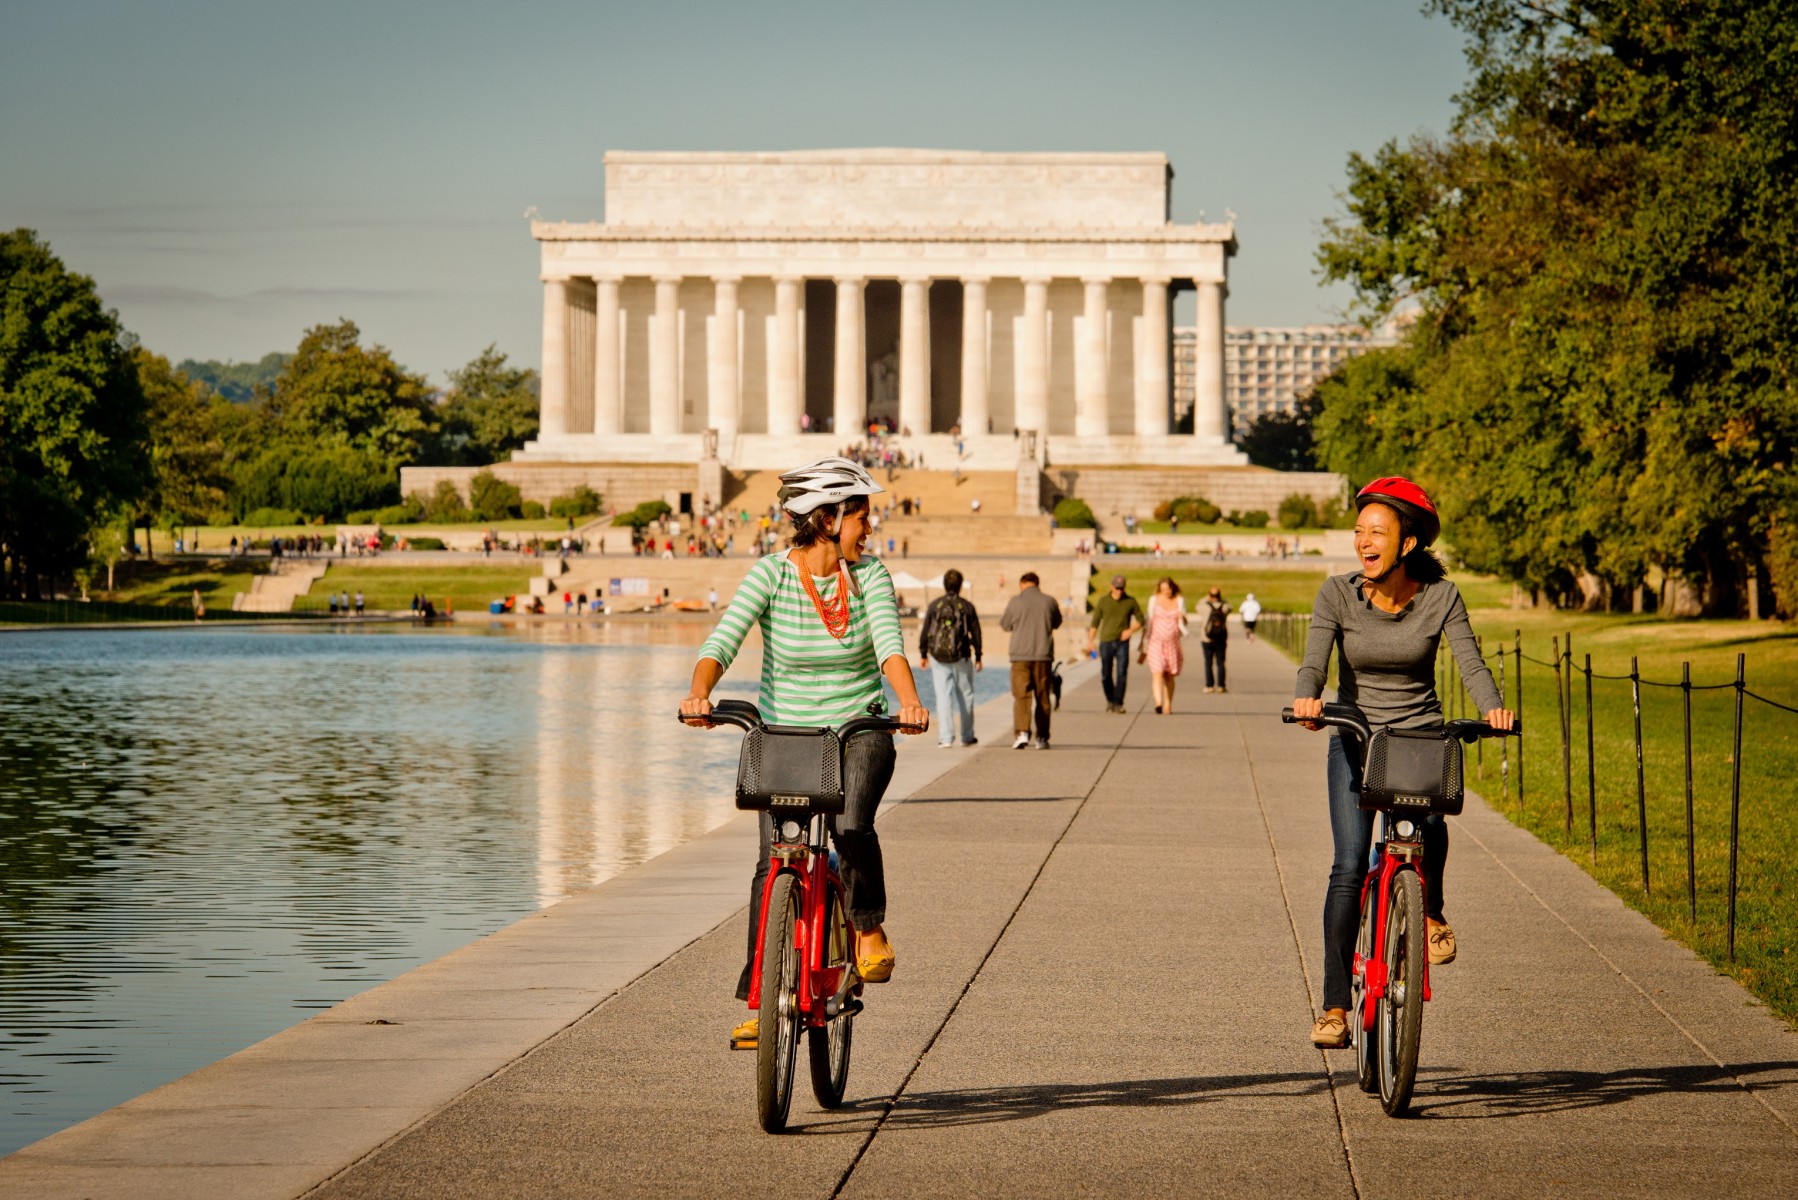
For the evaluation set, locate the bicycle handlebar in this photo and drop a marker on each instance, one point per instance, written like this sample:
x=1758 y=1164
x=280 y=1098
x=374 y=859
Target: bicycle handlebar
x=1347 y=716
x=746 y=716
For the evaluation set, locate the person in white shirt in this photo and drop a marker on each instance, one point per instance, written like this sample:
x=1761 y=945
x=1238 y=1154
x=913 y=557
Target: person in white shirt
x=1250 y=612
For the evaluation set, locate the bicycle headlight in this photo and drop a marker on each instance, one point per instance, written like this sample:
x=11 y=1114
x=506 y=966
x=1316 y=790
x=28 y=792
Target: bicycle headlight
x=1406 y=829
x=791 y=831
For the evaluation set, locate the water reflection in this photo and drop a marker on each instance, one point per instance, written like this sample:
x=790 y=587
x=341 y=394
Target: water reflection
x=205 y=834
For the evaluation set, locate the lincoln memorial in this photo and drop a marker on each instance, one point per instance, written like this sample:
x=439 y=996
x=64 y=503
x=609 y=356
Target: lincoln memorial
x=765 y=308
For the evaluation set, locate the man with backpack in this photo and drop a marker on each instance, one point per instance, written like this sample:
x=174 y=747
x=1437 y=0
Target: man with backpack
x=951 y=636
x=1214 y=612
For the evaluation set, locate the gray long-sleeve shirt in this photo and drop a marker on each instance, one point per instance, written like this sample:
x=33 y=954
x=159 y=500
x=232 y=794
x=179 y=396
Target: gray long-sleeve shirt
x=1386 y=662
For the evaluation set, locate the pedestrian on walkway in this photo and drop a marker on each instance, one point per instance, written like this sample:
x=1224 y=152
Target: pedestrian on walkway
x=1117 y=617
x=1163 y=636
x=1386 y=623
x=950 y=635
x=1214 y=611
x=1032 y=619
x=1250 y=612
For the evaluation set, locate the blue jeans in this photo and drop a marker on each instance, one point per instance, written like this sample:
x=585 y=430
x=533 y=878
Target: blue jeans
x=1352 y=830
x=954 y=698
x=1114 y=669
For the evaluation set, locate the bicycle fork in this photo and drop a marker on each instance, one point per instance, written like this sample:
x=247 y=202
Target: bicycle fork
x=1374 y=970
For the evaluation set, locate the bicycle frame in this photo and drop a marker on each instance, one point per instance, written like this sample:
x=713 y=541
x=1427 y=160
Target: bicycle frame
x=1395 y=856
x=824 y=992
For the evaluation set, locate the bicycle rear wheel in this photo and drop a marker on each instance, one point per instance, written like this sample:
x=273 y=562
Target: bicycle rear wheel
x=1367 y=1063
x=1400 y=1021
x=777 y=1010
x=829 y=1044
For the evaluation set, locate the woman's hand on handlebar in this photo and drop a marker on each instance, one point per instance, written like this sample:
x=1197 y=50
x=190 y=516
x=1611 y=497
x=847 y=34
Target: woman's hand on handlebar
x=913 y=714
x=1305 y=710
x=1500 y=718
x=695 y=709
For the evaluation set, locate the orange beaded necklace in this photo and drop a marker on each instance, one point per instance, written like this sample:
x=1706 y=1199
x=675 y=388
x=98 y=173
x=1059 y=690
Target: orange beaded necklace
x=835 y=612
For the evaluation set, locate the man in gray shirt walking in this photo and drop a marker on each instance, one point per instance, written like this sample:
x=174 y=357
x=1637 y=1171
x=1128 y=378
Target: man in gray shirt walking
x=1032 y=619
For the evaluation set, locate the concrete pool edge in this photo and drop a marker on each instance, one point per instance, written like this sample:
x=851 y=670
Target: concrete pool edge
x=288 y=1113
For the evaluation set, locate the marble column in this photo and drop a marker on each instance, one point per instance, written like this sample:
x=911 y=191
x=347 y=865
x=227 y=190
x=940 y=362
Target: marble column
x=914 y=356
x=786 y=400
x=1033 y=358
x=1092 y=417
x=975 y=410
x=608 y=392
x=723 y=396
x=664 y=360
x=1152 y=399
x=552 y=413
x=850 y=394
x=1210 y=424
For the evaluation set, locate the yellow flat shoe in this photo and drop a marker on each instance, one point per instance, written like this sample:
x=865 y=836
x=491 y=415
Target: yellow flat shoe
x=875 y=968
x=746 y=1035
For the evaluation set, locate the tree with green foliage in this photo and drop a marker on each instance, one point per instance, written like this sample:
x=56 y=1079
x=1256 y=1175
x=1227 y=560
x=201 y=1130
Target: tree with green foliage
x=1598 y=381
x=583 y=501
x=491 y=410
x=335 y=391
x=1283 y=441
x=1072 y=513
x=492 y=498
x=74 y=442
x=237 y=382
x=188 y=481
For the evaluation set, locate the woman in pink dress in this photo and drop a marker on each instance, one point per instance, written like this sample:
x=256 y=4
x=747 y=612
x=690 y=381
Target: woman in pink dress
x=1162 y=639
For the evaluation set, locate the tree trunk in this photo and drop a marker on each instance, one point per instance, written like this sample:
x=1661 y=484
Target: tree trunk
x=1593 y=592
x=1685 y=597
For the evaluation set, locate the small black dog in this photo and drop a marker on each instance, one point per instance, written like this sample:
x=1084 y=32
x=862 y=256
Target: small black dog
x=1055 y=684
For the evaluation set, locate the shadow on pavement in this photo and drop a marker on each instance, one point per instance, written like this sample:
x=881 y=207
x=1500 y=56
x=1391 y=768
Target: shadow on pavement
x=979 y=1106
x=1534 y=1093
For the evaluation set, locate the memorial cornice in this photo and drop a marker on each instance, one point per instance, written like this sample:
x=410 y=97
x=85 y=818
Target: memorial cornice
x=1223 y=233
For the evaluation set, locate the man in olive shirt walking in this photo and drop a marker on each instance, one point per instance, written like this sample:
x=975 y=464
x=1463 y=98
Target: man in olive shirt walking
x=1117 y=618
x=1032 y=619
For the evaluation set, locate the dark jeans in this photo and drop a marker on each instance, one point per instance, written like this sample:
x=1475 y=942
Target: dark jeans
x=867 y=769
x=1114 y=669
x=1353 y=832
x=1214 y=653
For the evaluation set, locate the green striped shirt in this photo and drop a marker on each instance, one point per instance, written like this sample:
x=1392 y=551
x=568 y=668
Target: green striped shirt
x=809 y=677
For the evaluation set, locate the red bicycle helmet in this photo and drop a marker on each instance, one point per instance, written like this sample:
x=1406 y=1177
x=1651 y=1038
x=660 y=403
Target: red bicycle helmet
x=1408 y=500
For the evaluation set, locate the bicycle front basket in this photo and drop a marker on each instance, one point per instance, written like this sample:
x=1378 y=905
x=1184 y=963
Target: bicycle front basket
x=788 y=769
x=1412 y=770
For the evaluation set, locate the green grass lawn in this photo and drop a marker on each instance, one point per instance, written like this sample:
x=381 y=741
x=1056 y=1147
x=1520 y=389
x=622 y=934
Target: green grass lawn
x=1767 y=902
x=1291 y=588
x=218 y=537
x=466 y=589
x=161 y=582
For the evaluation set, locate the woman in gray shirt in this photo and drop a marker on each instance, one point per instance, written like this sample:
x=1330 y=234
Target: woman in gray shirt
x=1385 y=622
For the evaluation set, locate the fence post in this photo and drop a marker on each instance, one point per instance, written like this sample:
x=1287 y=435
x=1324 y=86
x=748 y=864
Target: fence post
x=1567 y=732
x=1735 y=800
x=1517 y=648
x=1591 y=768
x=1685 y=689
x=1635 y=692
x=1479 y=747
x=1561 y=728
x=1504 y=750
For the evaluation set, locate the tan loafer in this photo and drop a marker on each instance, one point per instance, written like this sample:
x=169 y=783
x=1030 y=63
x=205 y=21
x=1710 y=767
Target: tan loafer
x=1330 y=1032
x=746 y=1035
x=1442 y=945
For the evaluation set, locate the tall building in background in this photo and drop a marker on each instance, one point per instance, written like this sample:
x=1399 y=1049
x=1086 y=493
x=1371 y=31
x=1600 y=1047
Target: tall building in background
x=1267 y=369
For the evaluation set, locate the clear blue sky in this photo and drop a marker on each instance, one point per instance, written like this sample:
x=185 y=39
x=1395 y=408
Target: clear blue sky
x=232 y=172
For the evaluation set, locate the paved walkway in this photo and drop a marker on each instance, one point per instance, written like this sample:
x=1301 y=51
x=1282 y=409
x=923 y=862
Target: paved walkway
x=1108 y=963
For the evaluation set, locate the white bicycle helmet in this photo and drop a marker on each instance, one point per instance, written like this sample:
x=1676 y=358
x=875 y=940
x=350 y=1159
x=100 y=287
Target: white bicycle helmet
x=827 y=481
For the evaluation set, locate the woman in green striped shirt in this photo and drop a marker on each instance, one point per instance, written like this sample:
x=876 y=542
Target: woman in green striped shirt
x=830 y=630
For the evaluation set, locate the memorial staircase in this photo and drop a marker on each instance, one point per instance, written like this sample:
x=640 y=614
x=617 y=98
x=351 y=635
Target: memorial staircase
x=277 y=591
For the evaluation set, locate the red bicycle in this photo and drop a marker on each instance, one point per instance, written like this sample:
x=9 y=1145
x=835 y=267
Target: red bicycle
x=1406 y=775
x=803 y=975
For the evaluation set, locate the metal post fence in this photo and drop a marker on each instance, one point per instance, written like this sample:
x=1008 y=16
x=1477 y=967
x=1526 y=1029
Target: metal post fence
x=1517 y=648
x=1591 y=768
x=1566 y=679
x=1635 y=690
x=1735 y=799
x=1561 y=728
x=1504 y=744
x=1685 y=689
x=1479 y=747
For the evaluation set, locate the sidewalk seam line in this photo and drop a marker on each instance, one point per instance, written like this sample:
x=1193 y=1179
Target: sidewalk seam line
x=507 y=1066
x=1620 y=972
x=1348 y=1157
x=893 y=1100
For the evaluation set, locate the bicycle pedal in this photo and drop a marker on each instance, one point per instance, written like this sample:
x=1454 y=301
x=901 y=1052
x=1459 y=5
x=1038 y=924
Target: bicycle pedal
x=744 y=1043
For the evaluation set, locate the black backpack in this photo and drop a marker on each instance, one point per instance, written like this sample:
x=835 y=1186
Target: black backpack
x=1215 y=629
x=949 y=640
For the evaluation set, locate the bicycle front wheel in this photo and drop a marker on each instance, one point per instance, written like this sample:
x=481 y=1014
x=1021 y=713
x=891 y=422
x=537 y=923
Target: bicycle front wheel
x=777 y=1007
x=1400 y=1022
x=829 y=1044
x=1367 y=1058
